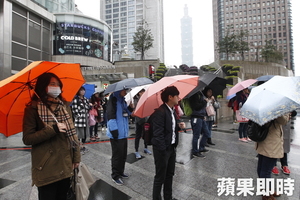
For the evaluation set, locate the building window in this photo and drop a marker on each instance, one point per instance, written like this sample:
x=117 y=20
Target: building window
x=19 y=29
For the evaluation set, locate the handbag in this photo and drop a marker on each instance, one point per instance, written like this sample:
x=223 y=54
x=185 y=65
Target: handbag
x=71 y=191
x=239 y=117
x=83 y=181
x=210 y=110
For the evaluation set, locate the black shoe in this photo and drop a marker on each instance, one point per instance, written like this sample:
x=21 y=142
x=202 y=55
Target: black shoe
x=204 y=150
x=124 y=176
x=210 y=142
x=199 y=155
x=206 y=145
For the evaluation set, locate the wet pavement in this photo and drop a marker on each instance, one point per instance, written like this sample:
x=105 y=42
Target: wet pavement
x=195 y=178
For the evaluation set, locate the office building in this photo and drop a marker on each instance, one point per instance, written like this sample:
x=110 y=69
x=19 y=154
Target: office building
x=265 y=20
x=186 y=38
x=124 y=16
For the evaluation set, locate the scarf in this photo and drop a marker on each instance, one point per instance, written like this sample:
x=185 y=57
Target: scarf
x=58 y=111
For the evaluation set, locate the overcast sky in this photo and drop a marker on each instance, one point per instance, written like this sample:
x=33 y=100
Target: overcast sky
x=201 y=13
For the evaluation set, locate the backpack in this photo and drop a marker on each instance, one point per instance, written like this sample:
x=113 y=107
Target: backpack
x=256 y=132
x=187 y=109
x=147 y=134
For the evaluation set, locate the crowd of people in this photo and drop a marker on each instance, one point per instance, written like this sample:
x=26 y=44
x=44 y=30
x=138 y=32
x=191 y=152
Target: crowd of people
x=58 y=130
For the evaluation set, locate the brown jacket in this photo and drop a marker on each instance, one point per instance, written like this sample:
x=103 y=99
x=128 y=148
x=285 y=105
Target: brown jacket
x=51 y=155
x=272 y=146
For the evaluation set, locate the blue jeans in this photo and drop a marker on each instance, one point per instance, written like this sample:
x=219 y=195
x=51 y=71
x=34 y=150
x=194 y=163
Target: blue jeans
x=265 y=166
x=209 y=126
x=243 y=130
x=199 y=126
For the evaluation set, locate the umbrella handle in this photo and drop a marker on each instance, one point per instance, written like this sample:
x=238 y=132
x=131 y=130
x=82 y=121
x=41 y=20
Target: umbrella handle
x=54 y=117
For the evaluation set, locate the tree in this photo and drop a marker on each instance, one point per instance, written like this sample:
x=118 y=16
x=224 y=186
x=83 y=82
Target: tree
x=241 y=45
x=270 y=53
x=227 y=44
x=142 y=39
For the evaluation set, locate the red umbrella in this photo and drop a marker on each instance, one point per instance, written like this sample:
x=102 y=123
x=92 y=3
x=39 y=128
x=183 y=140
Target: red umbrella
x=151 y=99
x=240 y=86
x=16 y=91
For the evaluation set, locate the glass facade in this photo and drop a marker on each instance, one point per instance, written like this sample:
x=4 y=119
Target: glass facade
x=77 y=35
x=31 y=39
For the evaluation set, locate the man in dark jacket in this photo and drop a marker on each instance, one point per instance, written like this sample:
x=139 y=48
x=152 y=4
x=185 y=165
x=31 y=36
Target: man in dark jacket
x=198 y=105
x=164 y=141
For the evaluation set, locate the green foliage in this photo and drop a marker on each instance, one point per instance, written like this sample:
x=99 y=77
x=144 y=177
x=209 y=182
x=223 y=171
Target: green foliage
x=270 y=53
x=237 y=67
x=142 y=39
x=207 y=68
x=219 y=96
x=160 y=71
x=241 y=43
x=230 y=77
x=234 y=42
x=233 y=71
x=227 y=44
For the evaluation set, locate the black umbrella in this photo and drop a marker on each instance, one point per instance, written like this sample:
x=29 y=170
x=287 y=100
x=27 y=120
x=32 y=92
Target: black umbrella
x=127 y=84
x=217 y=84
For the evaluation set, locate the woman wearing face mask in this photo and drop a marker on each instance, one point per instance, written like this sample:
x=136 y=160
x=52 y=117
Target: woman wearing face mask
x=80 y=109
x=49 y=128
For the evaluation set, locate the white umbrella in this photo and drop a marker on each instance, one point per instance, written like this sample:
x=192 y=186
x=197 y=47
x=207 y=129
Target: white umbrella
x=276 y=97
x=129 y=96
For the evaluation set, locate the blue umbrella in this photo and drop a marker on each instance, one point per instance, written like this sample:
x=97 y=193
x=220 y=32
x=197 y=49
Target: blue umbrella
x=264 y=78
x=89 y=90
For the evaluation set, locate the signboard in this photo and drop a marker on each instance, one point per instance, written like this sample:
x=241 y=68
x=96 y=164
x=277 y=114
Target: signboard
x=81 y=39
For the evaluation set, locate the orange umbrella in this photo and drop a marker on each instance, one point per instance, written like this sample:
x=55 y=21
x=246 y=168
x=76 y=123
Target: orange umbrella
x=16 y=91
x=151 y=99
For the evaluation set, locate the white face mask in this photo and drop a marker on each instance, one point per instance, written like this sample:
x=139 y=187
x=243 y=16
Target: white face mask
x=53 y=91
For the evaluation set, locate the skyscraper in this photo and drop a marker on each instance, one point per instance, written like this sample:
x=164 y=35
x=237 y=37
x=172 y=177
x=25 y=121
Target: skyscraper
x=124 y=16
x=186 y=38
x=265 y=20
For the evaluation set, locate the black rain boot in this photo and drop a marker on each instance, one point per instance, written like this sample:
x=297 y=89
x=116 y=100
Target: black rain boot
x=210 y=142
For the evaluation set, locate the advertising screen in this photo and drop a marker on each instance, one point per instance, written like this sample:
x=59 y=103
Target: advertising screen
x=81 y=39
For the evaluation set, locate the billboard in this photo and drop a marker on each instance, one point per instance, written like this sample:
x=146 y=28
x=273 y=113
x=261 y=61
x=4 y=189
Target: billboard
x=81 y=39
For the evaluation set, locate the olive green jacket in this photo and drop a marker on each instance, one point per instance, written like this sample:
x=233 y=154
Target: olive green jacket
x=51 y=154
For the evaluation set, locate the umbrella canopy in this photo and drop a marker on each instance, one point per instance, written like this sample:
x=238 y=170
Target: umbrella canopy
x=129 y=96
x=272 y=99
x=240 y=86
x=89 y=90
x=127 y=83
x=217 y=84
x=264 y=78
x=151 y=99
x=16 y=91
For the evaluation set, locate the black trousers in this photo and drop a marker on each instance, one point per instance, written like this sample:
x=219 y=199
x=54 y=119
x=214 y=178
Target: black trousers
x=54 y=191
x=138 y=135
x=119 y=155
x=164 y=172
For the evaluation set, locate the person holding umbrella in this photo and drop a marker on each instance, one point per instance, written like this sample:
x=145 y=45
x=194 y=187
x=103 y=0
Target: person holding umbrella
x=48 y=127
x=241 y=98
x=139 y=124
x=164 y=141
x=117 y=130
x=270 y=149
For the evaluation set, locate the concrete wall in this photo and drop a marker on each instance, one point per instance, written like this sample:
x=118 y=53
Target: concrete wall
x=138 y=67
